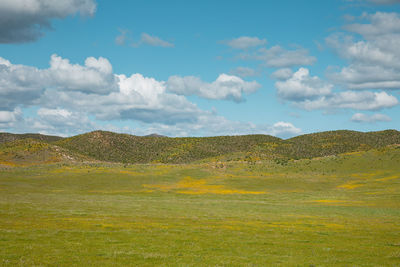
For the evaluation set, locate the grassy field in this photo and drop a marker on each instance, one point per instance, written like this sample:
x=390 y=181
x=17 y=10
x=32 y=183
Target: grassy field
x=339 y=210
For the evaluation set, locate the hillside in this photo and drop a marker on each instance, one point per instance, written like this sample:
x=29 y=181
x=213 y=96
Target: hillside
x=32 y=151
x=125 y=148
x=335 y=142
x=9 y=137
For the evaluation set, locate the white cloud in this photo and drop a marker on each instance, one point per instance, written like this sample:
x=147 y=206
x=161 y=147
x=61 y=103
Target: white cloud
x=312 y=93
x=282 y=74
x=66 y=106
x=122 y=38
x=360 y=117
x=245 y=42
x=146 y=99
x=57 y=121
x=23 y=85
x=278 y=57
x=351 y=100
x=138 y=98
x=10 y=116
x=302 y=86
x=9 y=119
x=24 y=20
x=209 y=124
x=145 y=39
x=224 y=87
x=19 y=84
x=284 y=130
x=154 y=41
x=244 y=72
x=374 y=61
x=94 y=77
x=381 y=23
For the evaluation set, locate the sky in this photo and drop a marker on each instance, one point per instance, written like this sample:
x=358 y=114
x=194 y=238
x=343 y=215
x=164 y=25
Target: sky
x=199 y=68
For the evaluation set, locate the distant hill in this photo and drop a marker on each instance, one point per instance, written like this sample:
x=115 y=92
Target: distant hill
x=32 y=151
x=9 y=137
x=110 y=146
x=336 y=142
x=125 y=148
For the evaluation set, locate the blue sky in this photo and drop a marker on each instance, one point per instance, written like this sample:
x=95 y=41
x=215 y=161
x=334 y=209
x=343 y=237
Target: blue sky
x=199 y=68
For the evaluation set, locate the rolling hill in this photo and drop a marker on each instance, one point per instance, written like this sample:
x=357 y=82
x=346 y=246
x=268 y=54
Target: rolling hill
x=9 y=137
x=125 y=148
x=335 y=142
x=28 y=151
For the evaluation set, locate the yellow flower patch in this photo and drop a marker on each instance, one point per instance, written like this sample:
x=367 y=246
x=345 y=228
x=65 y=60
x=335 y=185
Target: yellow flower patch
x=192 y=186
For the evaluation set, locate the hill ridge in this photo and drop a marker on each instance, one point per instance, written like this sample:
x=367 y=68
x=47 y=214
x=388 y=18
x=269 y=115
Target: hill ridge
x=126 y=148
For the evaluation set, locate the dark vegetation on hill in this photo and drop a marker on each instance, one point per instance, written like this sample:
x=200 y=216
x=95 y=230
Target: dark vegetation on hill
x=33 y=151
x=9 y=137
x=335 y=142
x=125 y=148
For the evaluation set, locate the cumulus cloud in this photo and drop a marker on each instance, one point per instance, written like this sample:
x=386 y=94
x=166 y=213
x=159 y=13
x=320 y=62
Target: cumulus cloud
x=147 y=100
x=60 y=121
x=23 y=85
x=364 y=118
x=374 y=61
x=67 y=106
x=351 y=100
x=19 y=84
x=279 y=57
x=380 y=23
x=24 y=20
x=138 y=98
x=282 y=74
x=9 y=118
x=284 y=129
x=209 y=124
x=244 y=72
x=302 y=86
x=94 y=77
x=224 y=87
x=310 y=93
x=245 y=42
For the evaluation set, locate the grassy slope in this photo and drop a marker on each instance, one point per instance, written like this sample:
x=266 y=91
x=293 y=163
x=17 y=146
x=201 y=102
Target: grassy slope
x=32 y=151
x=335 y=142
x=9 y=137
x=333 y=211
x=114 y=147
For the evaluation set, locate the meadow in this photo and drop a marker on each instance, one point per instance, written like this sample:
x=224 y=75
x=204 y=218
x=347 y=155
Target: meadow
x=339 y=210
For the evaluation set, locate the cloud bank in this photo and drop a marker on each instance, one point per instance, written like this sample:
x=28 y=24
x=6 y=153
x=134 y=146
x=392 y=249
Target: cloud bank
x=24 y=20
x=73 y=98
x=310 y=93
x=374 y=60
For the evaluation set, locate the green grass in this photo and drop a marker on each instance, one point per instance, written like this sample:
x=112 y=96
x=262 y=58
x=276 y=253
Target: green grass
x=339 y=210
